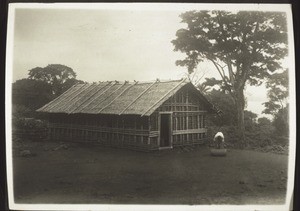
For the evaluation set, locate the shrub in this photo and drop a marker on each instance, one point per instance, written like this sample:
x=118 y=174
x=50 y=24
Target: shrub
x=28 y=123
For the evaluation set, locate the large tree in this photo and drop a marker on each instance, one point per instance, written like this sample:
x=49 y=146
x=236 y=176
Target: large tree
x=245 y=46
x=60 y=77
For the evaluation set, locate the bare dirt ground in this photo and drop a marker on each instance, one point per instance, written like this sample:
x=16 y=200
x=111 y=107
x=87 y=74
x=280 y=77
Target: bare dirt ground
x=81 y=173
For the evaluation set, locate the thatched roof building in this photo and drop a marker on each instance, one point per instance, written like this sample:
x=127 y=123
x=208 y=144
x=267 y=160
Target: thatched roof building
x=111 y=112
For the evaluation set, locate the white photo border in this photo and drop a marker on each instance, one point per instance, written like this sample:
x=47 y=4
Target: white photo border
x=148 y=6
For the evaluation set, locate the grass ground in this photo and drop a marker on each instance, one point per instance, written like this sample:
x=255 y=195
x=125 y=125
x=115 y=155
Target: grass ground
x=94 y=174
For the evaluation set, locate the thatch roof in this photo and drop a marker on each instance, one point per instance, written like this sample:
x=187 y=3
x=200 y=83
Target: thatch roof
x=116 y=98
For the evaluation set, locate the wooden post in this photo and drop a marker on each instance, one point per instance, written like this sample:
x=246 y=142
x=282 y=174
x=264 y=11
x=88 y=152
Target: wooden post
x=149 y=130
x=135 y=119
x=175 y=102
x=158 y=126
x=182 y=122
x=187 y=108
x=123 y=125
x=54 y=133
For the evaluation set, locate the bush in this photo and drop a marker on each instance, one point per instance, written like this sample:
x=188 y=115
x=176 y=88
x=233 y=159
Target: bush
x=261 y=137
x=28 y=124
x=281 y=140
x=21 y=111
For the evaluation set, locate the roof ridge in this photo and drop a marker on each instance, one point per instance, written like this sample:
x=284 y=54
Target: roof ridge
x=139 y=82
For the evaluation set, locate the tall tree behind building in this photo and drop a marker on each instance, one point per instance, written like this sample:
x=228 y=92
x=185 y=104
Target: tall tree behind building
x=244 y=47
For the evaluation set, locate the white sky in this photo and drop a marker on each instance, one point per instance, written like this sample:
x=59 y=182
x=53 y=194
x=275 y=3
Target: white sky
x=105 y=45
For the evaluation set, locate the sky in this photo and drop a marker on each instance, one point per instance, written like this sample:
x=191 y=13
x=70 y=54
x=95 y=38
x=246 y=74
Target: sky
x=101 y=45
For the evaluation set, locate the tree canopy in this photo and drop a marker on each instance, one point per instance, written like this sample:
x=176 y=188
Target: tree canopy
x=223 y=102
x=41 y=86
x=60 y=77
x=244 y=47
x=281 y=121
x=278 y=93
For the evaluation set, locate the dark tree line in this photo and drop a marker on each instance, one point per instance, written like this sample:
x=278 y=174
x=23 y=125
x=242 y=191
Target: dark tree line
x=42 y=85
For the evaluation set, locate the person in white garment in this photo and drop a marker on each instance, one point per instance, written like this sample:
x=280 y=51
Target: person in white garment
x=219 y=140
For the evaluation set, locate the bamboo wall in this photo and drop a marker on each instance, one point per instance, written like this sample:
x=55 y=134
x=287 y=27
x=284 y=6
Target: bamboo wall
x=126 y=131
x=134 y=131
x=188 y=119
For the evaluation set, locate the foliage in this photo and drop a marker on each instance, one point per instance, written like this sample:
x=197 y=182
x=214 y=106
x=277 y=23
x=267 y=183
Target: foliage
x=244 y=47
x=202 y=88
x=262 y=134
x=41 y=86
x=259 y=133
x=281 y=122
x=277 y=105
x=60 y=77
x=28 y=124
x=251 y=42
x=264 y=121
x=19 y=110
x=250 y=120
x=277 y=93
x=30 y=94
x=224 y=103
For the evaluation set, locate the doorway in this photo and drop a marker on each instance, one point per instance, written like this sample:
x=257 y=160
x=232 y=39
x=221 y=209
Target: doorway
x=165 y=130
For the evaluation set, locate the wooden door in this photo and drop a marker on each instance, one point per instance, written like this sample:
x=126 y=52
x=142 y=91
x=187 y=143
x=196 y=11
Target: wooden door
x=165 y=130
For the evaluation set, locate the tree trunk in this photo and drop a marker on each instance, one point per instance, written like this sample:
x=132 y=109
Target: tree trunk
x=240 y=106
